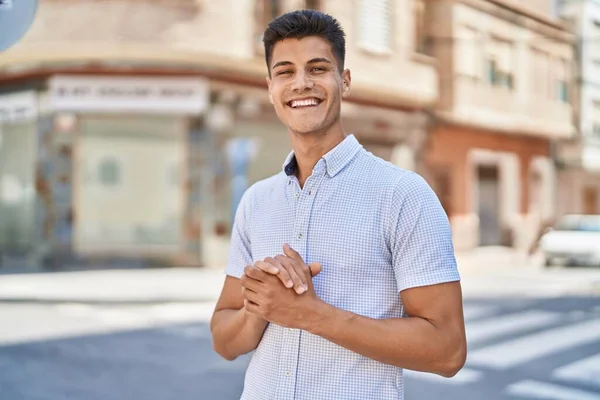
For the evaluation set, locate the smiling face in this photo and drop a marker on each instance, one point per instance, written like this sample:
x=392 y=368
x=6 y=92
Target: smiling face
x=305 y=86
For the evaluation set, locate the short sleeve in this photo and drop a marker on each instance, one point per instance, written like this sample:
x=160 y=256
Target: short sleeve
x=240 y=251
x=420 y=237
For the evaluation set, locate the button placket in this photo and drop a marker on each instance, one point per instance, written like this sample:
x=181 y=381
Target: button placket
x=288 y=365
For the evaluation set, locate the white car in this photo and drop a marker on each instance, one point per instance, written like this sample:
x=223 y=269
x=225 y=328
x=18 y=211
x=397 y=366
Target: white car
x=574 y=240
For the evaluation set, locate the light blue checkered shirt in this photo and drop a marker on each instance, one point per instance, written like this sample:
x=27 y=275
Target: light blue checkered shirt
x=376 y=229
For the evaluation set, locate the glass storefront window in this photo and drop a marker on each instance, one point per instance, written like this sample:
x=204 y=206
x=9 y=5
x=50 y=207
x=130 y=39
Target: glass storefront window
x=17 y=187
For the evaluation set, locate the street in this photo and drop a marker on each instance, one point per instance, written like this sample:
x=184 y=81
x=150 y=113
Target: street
x=518 y=349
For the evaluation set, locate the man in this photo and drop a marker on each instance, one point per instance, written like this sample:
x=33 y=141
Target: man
x=385 y=294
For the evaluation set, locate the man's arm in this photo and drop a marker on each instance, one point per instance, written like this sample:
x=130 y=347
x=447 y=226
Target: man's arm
x=431 y=339
x=235 y=331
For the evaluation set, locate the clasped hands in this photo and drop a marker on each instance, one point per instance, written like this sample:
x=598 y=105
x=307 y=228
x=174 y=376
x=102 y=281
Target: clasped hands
x=280 y=290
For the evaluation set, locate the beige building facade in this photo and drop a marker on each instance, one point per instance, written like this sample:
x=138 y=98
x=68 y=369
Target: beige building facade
x=505 y=101
x=134 y=117
x=579 y=159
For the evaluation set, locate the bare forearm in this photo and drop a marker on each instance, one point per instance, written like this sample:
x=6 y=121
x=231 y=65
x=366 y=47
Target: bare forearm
x=412 y=343
x=235 y=332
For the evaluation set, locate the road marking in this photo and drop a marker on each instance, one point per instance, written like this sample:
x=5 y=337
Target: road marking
x=472 y=311
x=478 y=331
x=120 y=318
x=548 y=391
x=183 y=312
x=464 y=376
x=586 y=371
x=527 y=348
x=74 y=309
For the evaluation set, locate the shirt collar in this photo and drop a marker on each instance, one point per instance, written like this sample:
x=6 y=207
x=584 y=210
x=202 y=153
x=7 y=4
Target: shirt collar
x=335 y=160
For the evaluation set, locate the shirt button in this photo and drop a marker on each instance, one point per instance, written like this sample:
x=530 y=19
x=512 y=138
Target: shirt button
x=297 y=195
x=287 y=373
x=299 y=236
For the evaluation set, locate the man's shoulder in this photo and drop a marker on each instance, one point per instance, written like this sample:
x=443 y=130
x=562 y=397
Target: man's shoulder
x=264 y=187
x=398 y=185
x=384 y=173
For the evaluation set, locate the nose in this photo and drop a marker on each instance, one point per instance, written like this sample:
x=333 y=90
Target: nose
x=302 y=82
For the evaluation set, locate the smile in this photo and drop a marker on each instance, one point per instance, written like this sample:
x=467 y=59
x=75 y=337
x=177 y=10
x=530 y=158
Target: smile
x=311 y=102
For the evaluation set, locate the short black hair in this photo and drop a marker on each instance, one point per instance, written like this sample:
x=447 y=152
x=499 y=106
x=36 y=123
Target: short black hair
x=303 y=23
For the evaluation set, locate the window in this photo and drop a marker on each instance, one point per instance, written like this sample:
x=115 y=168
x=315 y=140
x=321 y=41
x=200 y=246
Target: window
x=375 y=25
x=265 y=11
x=499 y=63
x=592 y=45
x=312 y=5
x=109 y=172
x=595 y=117
x=561 y=76
x=419 y=18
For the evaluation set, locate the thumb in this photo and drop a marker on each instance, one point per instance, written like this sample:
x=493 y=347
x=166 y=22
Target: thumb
x=315 y=268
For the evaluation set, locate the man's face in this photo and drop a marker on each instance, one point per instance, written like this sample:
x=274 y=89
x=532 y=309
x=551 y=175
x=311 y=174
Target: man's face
x=306 y=86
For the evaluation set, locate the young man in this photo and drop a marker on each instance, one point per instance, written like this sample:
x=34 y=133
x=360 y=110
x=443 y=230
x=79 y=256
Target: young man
x=342 y=268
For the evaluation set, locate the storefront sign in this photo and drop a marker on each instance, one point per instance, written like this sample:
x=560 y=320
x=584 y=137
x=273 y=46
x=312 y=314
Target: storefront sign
x=123 y=94
x=17 y=107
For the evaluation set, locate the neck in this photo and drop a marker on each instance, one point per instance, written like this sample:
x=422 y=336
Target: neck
x=309 y=148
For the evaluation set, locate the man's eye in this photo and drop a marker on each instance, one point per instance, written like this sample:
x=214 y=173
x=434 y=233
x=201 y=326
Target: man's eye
x=284 y=72
x=319 y=69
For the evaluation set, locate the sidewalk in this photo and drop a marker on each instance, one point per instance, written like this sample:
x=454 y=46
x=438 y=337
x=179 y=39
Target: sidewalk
x=500 y=271
x=489 y=272
x=115 y=286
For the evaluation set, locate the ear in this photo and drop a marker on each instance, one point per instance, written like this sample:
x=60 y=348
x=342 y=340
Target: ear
x=269 y=86
x=346 y=83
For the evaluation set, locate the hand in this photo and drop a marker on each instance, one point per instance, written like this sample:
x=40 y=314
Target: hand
x=267 y=298
x=290 y=268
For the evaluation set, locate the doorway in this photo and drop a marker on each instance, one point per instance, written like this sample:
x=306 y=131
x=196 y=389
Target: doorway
x=590 y=200
x=489 y=206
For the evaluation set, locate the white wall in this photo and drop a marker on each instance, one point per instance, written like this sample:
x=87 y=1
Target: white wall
x=585 y=14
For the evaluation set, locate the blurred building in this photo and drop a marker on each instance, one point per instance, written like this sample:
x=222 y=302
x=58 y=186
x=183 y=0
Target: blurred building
x=505 y=93
x=123 y=122
x=579 y=159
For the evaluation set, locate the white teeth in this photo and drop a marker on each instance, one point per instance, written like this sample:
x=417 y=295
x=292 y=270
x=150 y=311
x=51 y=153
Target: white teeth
x=304 y=103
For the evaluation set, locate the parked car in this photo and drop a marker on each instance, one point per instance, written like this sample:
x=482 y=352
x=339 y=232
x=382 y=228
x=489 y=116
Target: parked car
x=574 y=240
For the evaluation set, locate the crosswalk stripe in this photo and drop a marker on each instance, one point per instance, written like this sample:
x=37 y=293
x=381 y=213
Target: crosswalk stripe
x=548 y=391
x=472 y=311
x=464 y=376
x=586 y=371
x=478 y=331
x=524 y=349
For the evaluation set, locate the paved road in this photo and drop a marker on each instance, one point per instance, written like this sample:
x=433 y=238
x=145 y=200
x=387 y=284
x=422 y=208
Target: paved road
x=520 y=349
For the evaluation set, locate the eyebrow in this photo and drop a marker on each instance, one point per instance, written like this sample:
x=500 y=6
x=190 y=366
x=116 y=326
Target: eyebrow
x=311 y=61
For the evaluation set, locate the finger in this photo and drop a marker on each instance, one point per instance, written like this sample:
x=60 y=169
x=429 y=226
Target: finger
x=284 y=274
x=251 y=307
x=249 y=283
x=252 y=271
x=252 y=296
x=268 y=267
x=315 y=268
x=295 y=270
x=288 y=251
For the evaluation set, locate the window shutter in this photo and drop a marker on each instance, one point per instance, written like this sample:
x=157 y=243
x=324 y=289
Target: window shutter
x=374 y=25
x=467 y=52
